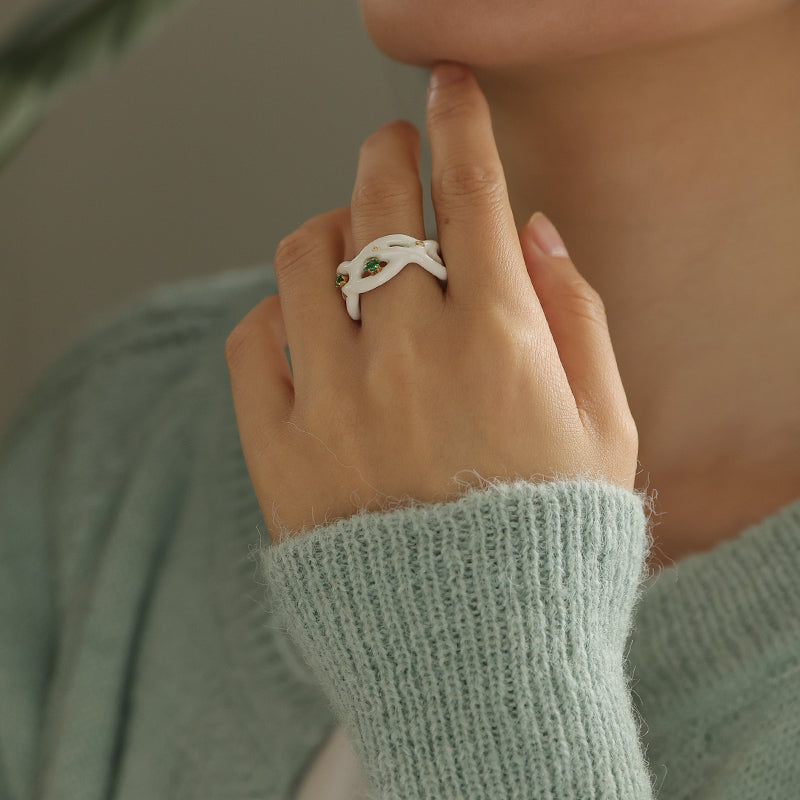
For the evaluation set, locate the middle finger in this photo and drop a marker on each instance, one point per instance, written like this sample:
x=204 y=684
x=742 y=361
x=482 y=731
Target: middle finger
x=387 y=199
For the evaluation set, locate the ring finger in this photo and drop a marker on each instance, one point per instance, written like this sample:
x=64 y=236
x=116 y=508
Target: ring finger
x=387 y=199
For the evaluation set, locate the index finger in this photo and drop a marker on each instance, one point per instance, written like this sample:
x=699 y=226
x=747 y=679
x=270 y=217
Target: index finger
x=475 y=224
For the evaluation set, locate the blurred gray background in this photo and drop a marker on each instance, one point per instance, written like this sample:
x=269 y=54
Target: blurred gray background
x=195 y=154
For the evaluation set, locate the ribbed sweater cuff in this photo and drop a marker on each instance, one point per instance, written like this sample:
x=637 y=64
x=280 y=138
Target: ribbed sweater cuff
x=474 y=648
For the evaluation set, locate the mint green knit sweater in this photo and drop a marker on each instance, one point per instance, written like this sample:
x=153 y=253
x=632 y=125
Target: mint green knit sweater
x=506 y=644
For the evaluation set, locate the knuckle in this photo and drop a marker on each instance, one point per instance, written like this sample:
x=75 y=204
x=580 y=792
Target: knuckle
x=594 y=412
x=492 y=340
x=495 y=326
x=293 y=249
x=627 y=431
x=465 y=182
x=294 y=252
x=586 y=302
x=617 y=434
x=252 y=324
x=379 y=193
x=450 y=107
x=611 y=423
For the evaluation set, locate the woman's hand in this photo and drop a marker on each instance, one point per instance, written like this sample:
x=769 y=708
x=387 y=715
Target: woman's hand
x=508 y=373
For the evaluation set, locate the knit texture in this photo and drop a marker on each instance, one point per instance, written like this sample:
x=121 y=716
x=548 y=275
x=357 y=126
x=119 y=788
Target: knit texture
x=508 y=643
x=477 y=643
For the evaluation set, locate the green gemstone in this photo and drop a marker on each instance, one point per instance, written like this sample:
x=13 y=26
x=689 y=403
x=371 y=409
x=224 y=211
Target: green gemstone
x=341 y=280
x=372 y=266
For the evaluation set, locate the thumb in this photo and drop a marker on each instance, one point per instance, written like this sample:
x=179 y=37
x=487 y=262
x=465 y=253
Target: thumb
x=577 y=319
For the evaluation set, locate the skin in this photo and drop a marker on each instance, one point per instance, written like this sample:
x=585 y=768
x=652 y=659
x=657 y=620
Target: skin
x=663 y=141
x=402 y=404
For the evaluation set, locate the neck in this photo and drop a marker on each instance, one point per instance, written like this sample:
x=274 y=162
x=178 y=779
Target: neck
x=673 y=175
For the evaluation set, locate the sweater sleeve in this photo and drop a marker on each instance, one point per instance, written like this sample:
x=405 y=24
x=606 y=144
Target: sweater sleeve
x=475 y=648
x=28 y=602
x=66 y=455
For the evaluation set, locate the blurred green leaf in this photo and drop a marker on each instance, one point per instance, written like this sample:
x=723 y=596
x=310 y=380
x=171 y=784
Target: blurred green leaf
x=60 y=44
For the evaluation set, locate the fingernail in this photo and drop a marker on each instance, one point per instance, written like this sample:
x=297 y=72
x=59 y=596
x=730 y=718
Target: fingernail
x=446 y=72
x=546 y=236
